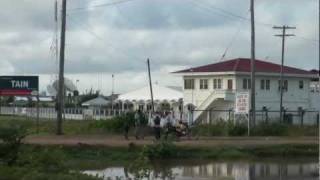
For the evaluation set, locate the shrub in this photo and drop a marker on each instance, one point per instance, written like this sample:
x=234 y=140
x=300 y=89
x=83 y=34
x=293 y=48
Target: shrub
x=116 y=124
x=163 y=149
x=273 y=129
x=11 y=136
x=237 y=129
x=221 y=128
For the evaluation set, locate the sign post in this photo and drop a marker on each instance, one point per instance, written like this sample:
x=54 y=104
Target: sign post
x=20 y=86
x=242 y=105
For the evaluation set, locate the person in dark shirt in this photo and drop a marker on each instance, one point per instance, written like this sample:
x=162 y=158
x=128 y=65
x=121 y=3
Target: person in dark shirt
x=156 y=127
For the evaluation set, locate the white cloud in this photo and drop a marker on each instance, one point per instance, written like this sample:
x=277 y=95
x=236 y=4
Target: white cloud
x=174 y=34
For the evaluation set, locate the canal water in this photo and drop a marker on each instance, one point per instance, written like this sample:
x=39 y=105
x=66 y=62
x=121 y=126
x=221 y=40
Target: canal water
x=236 y=170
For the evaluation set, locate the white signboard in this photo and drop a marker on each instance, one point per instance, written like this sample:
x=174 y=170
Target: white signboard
x=242 y=103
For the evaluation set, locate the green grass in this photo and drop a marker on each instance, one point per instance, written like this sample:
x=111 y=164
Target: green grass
x=115 y=126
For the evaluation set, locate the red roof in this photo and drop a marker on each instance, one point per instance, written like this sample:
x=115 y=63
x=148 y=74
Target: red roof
x=243 y=65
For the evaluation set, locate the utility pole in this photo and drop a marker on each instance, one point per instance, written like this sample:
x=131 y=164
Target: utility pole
x=61 y=69
x=112 y=92
x=319 y=81
x=150 y=83
x=252 y=118
x=283 y=36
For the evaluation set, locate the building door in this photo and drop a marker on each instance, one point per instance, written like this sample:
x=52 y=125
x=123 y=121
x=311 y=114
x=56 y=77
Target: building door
x=230 y=84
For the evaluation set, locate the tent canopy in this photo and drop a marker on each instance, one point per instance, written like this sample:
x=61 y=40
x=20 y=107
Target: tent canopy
x=98 y=101
x=160 y=93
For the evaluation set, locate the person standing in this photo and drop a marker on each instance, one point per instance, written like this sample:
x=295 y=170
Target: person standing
x=126 y=127
x=137 y=123
x=156 y=127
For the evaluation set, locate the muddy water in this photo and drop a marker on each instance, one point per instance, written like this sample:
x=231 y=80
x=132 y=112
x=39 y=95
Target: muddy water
x=236 y=170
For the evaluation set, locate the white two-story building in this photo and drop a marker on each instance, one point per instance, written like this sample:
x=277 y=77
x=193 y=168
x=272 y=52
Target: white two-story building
x=211 y=89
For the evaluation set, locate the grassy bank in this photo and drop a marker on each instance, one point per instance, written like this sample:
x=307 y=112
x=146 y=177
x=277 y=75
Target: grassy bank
x=116 y=125
x=95 y=157
x=63 y=162
x=36 y=162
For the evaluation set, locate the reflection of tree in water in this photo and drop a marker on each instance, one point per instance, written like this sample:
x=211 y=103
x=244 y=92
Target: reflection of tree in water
x=163 y=172
x=144 y=168
x=140 y=168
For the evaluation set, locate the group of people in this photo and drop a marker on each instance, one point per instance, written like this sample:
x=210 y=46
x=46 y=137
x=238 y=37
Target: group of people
x=157 y=121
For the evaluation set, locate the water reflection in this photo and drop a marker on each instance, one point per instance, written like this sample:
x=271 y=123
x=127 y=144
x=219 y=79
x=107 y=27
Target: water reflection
x=222 y=171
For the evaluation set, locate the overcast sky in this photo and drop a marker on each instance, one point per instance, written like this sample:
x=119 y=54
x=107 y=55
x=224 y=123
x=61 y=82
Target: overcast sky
x=175 y=34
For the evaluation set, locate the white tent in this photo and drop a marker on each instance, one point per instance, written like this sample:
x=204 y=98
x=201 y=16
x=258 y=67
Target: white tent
x=160 y=94
x=98 y=101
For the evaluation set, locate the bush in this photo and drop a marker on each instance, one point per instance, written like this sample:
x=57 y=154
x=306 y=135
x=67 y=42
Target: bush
x=161 y=150
x=221 y=128
x=11 y=136
x=25 y=173
x=116 y=124
x=237 y=129
x=273 y=129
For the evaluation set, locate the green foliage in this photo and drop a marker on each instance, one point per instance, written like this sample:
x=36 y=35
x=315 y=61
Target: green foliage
x=237 y=129
x=272 y=129
x=26 y=173
x=116 y=124
x=161 y=150
x=20 y=163
x=140 y=167
x=221 y=128
x=49 y=160
x=11 y=136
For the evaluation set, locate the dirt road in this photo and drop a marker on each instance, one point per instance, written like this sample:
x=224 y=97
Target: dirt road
x=119 y=141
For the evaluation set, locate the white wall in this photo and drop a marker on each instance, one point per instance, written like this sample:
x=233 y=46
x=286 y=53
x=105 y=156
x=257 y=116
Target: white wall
x=292 y=99
x=197 y=95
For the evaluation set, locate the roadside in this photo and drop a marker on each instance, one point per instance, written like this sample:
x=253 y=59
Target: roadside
x=119 y=141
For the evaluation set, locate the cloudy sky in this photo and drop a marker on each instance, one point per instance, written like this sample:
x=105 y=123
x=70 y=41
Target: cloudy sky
x=107 y=37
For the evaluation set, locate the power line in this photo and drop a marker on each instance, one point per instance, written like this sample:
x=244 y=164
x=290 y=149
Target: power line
x=87 y=29
x=98 y=6
x=233 y=39
x=208 y=10
x=211 y=8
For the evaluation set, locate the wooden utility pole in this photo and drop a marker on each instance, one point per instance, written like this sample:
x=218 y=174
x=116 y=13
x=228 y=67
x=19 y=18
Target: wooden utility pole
x=319 y=81
x=112 y=92
x=252 y=117
x=150 y=83
x=283 y=36
x=61 y=69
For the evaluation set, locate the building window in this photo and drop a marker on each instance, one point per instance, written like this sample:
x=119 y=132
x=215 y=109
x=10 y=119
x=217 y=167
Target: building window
x=262 y=84
x=230 y=84
x=246 y=84
x=301 y=84
x=203 y=83
x=267 y=84
x=217 y=84
x=189 y=84
x=284 y=86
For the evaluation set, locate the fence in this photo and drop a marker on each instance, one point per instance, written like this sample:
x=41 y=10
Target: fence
x=206 y=116
x=289 y=117
x=69 y=113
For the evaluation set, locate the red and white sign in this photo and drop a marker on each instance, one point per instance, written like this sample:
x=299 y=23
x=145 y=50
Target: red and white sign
x=242 y=103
